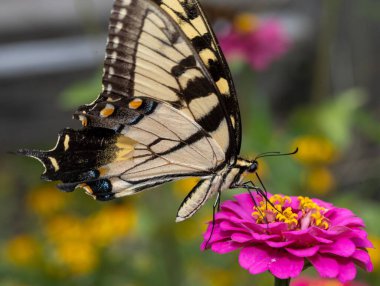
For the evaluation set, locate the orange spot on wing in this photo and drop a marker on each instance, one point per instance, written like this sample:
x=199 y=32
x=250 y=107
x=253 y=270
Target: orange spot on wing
x=136 y=103
x=107 y=111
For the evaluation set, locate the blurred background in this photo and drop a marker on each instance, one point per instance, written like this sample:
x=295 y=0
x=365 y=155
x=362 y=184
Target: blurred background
x=306 y=73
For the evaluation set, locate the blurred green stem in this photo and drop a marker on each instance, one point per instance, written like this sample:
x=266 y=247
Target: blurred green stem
x=281 y=282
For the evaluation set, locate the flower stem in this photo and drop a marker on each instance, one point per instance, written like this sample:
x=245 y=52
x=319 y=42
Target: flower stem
x=281 y=282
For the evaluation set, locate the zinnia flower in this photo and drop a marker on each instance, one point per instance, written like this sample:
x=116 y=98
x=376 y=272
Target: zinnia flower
x=257 y=42
x=287 y=234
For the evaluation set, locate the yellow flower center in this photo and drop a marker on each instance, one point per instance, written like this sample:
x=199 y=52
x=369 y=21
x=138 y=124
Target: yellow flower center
x=278 y=209
x=288 y=217
x=246 y=23
x=316 y=212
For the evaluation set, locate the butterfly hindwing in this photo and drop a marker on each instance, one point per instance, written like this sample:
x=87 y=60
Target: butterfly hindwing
x=148 y=150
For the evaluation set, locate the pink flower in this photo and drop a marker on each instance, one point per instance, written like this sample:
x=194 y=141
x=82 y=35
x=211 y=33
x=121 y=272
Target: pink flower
x=258 y=46
x=288 y=233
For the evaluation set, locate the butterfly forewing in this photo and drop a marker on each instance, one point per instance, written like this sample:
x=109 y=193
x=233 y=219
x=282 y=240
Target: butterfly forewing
x=193 y=22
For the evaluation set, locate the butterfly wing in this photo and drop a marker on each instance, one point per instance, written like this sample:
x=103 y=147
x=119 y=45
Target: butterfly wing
x=167 y=109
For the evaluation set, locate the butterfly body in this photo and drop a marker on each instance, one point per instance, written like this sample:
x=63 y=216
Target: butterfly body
x=168 y=110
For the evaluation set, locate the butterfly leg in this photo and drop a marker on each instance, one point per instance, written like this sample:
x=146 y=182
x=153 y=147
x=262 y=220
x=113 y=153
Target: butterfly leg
x=215 y=209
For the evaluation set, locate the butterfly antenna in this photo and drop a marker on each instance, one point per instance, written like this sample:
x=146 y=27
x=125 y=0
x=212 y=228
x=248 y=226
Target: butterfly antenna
x=215 y=208
x=275 y=154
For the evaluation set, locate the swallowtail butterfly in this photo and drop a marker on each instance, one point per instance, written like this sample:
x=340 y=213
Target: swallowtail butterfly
x=167 y=110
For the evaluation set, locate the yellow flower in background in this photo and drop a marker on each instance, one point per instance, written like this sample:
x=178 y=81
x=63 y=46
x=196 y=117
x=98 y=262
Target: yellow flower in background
x=65 y=228
x=77 y=241
x=246 y=23
x=315 y=150
x=319 y=180
x=374 y=252
x=45 y=200
x=22 y=250
x=111 y=223
x=78 y=257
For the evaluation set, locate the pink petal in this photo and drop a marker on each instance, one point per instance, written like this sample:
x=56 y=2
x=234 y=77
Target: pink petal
x=241 y=237
x=347 y=270
x=245 y=201
x=344 y=217
x=363 y=259
x=362 y=243
x=217 y=234
x=264 y=237
x=260 y=259
x=305 y=237
x=325 y=265
x=276 y=227
x=233 y=227
x=303 y=252
x=236 y=209
x=224 y=215
x=342 y=247
x=254 y=259
x=224 y=247
x=279 y=244
x=284 y=265
x=335 y=230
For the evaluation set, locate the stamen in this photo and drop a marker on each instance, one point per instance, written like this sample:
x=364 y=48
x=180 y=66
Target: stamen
x=308 y=213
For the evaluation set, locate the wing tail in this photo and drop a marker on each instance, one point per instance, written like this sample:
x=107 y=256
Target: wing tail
x=198 y=197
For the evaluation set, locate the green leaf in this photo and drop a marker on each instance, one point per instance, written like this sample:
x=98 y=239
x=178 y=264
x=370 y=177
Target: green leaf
x=335 y=118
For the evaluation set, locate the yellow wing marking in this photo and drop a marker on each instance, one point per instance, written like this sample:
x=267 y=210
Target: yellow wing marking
x=54 y=163
x=125 y=147
x=223 y=86
x=66 y=142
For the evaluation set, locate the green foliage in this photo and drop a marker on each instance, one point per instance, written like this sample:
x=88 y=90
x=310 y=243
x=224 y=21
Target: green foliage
x=332 y=118
x=81 y=93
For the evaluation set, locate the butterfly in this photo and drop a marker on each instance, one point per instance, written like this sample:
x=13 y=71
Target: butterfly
x=167 y=110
